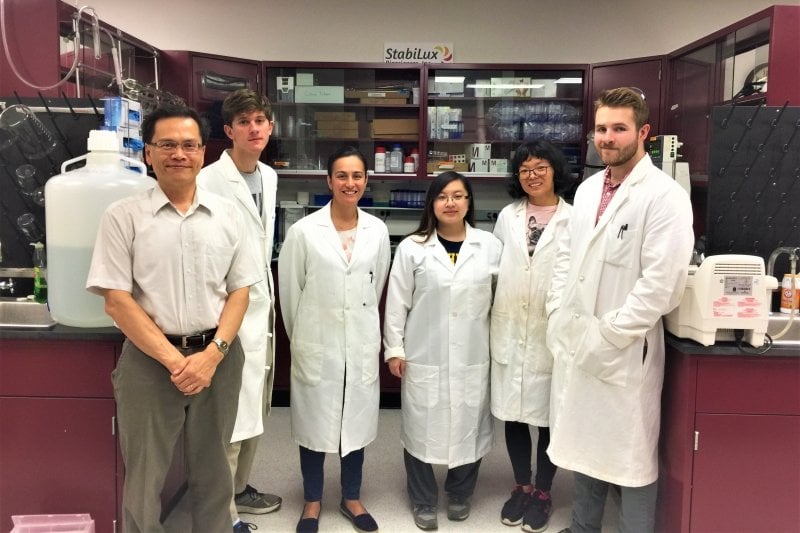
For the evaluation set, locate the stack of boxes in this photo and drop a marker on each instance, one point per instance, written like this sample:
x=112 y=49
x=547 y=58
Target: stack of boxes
x=336 y=124
x=480 y=159
x=395 y=129
x=378 y=96
x=124 y=116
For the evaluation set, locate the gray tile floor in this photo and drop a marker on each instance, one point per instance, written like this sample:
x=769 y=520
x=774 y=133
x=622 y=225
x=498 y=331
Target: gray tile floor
x=383 y=492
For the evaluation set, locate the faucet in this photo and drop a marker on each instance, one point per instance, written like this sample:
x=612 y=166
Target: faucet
x=792 y=251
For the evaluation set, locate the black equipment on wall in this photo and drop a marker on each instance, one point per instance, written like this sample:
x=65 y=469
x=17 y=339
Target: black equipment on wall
x=754 y=181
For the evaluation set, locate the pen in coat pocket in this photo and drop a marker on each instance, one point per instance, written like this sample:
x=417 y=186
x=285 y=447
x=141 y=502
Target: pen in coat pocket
x=622 y=230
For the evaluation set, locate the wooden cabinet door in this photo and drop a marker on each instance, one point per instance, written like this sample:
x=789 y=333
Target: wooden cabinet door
x=58 y=456
x=645 y=74
x=746 y=473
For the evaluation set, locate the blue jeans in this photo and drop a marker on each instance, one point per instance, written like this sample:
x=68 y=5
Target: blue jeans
x=637 y=511
x=312 y=467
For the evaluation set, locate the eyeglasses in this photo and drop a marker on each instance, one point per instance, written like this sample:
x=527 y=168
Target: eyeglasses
x=188 y=147
x=456 y=198
x=525 y=173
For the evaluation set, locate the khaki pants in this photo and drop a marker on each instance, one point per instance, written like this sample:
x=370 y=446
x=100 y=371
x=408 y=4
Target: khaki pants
x=152 y=414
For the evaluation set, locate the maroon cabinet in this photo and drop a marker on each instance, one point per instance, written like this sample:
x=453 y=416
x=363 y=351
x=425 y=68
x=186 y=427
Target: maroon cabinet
x=643 y=73
x=204 y=81
x=58 y=448
x=730 y=435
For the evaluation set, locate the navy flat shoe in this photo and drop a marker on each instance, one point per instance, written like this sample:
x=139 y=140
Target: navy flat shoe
x=308 y=525
x=363 y=522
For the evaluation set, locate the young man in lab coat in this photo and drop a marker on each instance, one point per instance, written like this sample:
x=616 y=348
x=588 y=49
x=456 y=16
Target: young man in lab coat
x=620 y=267
x=240 y=176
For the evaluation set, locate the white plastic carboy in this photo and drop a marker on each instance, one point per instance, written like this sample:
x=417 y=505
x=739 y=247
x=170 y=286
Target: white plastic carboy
x=75 y=201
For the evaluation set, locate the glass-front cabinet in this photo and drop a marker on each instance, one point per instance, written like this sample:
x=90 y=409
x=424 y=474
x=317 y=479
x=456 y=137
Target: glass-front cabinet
x=320 y=107
x=476 y=116
x=413 y=121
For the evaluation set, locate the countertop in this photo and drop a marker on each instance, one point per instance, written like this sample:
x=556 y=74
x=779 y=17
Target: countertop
x=729 y=348
x=65 y=333
x=112 y=334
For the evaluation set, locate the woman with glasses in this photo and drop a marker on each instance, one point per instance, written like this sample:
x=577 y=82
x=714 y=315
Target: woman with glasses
x=436 y=340
x=331 y=272
x=529 y=228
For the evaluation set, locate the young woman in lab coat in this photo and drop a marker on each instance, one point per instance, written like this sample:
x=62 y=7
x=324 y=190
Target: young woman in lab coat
x=331 y=272
x=521 y=363
x=436 y=339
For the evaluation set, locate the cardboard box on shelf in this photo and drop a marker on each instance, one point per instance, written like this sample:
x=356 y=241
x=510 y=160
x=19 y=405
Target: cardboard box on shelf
x=478 y=164
x=479 y=151
x=335 y=115
x=394 y=136
x=442 y=166
x=338 y=134
x=383 y=126
x=377 y=93
x=319 y=94
x=383 y=101
x=328 y=125
x=305 y=78
x=498 y=166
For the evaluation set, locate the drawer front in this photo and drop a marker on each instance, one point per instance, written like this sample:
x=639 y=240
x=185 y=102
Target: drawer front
x=749 y=385
x=71 y=369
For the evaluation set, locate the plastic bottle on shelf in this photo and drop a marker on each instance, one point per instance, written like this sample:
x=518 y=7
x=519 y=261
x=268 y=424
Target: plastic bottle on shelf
x=380 y=159
x=408 y=165
x=415 y=156
x=396 y=159
x=790 y=299
x=74 y=204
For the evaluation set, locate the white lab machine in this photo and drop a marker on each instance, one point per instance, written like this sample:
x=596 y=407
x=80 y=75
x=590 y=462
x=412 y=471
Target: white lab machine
x=723 y=294
x=663 y=150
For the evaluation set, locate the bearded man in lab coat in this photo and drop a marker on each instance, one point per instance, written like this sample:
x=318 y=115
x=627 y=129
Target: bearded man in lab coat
x=240 y=176
x=620 y=267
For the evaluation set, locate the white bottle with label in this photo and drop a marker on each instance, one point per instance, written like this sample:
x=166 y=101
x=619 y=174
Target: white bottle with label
x=380 y=159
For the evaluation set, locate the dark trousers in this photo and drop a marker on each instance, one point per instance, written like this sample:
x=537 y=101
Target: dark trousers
x=312 y=466
x=637 y=510
x=519 y=444
x=421 y=482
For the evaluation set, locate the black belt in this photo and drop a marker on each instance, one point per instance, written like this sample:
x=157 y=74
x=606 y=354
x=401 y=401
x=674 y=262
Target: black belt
x=197 y=340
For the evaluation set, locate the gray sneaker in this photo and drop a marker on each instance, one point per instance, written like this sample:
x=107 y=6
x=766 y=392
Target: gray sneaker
x=253 y=502
x=457 y=508
x=425 y=517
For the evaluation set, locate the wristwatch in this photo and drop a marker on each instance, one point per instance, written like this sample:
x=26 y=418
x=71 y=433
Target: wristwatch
x=222 y=345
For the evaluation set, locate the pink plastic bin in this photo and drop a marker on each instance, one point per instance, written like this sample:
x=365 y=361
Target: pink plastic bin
x=44 y=523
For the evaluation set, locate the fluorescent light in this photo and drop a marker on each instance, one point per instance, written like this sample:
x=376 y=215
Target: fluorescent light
x=569 y=80
x=449 y=79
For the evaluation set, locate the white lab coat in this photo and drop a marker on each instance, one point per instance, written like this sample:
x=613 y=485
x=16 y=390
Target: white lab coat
x=611 y=285
x=437 y=318
x=521 y=363
x=256 y=332
x=330 y=310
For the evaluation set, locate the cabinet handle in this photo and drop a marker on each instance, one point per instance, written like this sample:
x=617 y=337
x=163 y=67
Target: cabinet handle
x=696 y=440
x=114 y=425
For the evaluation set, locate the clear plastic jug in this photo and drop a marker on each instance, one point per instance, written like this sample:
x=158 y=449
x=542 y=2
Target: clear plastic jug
x=75 y=201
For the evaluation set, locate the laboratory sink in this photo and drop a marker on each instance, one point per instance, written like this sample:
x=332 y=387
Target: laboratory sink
x=777 y=321
x=24 y=314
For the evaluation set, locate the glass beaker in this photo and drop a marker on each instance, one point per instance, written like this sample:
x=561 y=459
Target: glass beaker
x=26 y=131
x=28 y=184
x=29 y=227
